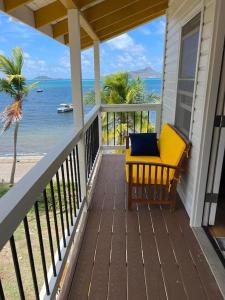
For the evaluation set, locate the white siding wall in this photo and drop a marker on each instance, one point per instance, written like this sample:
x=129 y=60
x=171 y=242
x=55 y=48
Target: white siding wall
x=179 y=12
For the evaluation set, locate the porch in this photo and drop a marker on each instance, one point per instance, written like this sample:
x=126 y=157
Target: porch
x=80 y=240
x=147 y=253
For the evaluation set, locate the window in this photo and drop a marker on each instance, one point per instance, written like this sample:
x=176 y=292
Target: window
x=186 y=75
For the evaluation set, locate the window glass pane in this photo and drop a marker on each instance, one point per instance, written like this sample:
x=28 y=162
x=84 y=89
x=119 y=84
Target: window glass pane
x=187 y=70
x=189 y=56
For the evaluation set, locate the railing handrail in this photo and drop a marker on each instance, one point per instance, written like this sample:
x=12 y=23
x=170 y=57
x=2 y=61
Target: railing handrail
x=130 y=107
x=18 y=201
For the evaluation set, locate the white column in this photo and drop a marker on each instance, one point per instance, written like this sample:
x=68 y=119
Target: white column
x=77 y=95
x=75 y=62
x=98 y=85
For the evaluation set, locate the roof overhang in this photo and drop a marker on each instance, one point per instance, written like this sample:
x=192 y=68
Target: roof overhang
x=100 y=19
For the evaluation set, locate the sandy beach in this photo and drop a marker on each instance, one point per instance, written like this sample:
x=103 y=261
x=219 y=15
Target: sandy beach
x=24 y=164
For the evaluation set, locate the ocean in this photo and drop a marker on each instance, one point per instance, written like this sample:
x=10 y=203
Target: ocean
x=41 y=126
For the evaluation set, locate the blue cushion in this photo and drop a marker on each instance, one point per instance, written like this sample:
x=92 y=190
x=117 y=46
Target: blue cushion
x=144 y=144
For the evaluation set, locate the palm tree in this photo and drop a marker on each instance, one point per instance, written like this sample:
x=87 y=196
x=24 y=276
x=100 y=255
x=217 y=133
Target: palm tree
x=14 y=84
x=118 y=89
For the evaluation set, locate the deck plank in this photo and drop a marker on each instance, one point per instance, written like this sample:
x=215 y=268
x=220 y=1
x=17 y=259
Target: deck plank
x=208 y=281
x=136 y=278
x=100 y=275
x=173 y=280
x=163 y=257
x=191 y=279
x=154 y=279
x=118 y=271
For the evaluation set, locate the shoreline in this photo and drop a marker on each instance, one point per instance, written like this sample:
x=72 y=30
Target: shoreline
x=24 y=164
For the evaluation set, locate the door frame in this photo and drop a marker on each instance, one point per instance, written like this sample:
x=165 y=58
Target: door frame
x=213 y=79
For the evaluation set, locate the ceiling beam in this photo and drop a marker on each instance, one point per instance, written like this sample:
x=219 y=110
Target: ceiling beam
x=83 y=22
x=105 y=8
x=85 y=42
x=134 y=11
x=61 y=28
x=88 y=4
x=49 y=13
x=13 y=4
x=127 y=12
x=57 y=10
x=123 y=27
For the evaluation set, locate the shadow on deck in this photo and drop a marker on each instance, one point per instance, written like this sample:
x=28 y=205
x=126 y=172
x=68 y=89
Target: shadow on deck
x=147 y=253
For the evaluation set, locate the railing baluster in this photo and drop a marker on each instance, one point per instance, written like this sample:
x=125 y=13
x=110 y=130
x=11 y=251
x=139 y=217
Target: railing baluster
x=49 y=232
x=78 y=170
x=114 y=128
x=141 y=122
x=55 y=219
x=2 y=295
x=107 y=127
x=60 y=208
x=31 y=257
x=17 y=267
x=36 y=209
x=69 y=192
x=134 y=122
x=65 y=199
x=121 y=115
x=73 y=185
x=76 y=180
x=148 y=123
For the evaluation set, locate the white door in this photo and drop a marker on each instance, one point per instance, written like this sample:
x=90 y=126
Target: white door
x=217 y=155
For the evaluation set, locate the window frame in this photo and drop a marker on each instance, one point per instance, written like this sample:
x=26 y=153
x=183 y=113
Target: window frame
x=198 y=11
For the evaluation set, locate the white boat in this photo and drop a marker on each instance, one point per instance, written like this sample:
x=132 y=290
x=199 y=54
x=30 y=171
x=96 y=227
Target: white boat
x=63 y=107
x=39 y=91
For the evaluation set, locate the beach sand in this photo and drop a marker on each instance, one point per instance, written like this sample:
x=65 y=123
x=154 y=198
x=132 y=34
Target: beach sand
x=24 y=164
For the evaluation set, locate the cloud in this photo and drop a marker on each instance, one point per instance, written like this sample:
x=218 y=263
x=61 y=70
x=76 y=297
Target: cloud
x=146 y=31
x=160 y=27
x=64 y=61
x=130 y=55
x=126 y=43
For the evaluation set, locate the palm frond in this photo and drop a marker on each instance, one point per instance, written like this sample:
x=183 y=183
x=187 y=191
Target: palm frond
x=6 y=87
x=28 y=88
x=11 y=114
x=16 y=77
x=18 y=59
x=7 y=66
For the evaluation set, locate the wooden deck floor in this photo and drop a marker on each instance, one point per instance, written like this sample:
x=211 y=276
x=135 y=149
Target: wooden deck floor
x=148 y=253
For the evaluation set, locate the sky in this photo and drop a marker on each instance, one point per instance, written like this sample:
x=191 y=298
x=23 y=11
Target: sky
x=134 y=50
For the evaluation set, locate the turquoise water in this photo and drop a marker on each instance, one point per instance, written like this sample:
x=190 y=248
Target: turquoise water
x=42 y=126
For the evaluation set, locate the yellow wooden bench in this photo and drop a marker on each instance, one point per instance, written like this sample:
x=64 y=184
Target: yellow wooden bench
x=153 y=179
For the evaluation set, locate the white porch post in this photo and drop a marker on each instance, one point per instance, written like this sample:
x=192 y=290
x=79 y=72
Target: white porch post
x=77 y=96
x=97 y=85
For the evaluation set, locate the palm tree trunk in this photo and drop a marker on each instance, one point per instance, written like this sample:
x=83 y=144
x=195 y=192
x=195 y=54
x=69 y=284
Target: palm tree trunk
x=14 y=154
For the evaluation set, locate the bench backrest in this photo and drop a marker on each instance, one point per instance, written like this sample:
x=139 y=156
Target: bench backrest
x=171 y=145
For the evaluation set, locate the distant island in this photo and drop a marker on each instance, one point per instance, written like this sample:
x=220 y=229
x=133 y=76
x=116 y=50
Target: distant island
x=43 y=78
x=145 y=73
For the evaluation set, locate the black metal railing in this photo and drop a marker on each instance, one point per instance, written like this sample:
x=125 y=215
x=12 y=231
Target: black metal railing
x=92 y=146
x=33 y=252
x=117 y=125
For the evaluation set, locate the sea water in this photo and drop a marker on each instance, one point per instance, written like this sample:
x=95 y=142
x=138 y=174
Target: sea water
x=41 y=126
